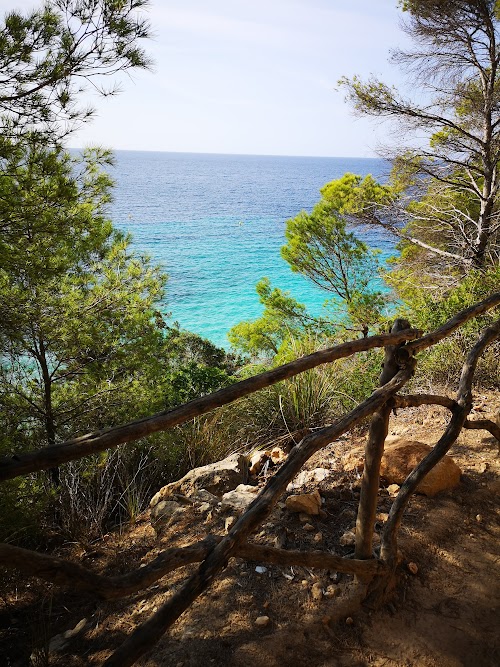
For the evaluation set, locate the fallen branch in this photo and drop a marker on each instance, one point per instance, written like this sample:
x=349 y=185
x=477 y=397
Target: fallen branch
x=462 y=407
x=65 y=573
x=151 y=630
x=453 y=324
x=51 y=457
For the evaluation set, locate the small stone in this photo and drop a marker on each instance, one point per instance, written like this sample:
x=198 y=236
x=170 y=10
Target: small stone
x=308 y=503
x=479 y=518
x=262 y=621
x=266 y=604
x=229 y=523
x=303 y=583
x=349 y=620
x=317 y=591
x=382 y=516
x=332 y=591
x=413 y=568
x=278 y=455
x=260 y=569
x=308 y=526
x=348 y=539
x=318 y=537
x=393 y=489
x=304 y=518
x=257 y=461
x=204 y=508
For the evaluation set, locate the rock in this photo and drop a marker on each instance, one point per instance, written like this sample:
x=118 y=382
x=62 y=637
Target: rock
x=262 y=621
x=479 y=518
x=59 y=642
x=204 y=496
x=278 y=455
x=260 y=569
x=217 y=478
x=318 y=537
x=349 y=620
x=240 y=498
x=393 y=489
x=413 y=568
x=309 y=477
x=308 y=503
x=309 y=527
x=166 y=511
x=348 y=539
x=317 y=591
x=257 y=461
x=402 y=456
x=332 y=591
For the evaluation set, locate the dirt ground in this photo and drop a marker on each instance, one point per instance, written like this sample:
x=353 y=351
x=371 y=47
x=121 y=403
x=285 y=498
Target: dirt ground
x=444 y=614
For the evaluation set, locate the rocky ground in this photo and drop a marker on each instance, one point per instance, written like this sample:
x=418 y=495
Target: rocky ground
x=445 y=611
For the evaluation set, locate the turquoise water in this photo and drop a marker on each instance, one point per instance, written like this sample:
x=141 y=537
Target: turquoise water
x=216 y=223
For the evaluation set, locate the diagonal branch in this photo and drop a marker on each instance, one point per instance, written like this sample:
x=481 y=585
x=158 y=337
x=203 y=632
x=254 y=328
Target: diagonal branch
x=50 y=457
x=460 y=412
x=150 y=632
x=65 y=573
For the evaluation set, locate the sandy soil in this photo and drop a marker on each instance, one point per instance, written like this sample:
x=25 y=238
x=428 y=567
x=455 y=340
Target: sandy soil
x=444 y=615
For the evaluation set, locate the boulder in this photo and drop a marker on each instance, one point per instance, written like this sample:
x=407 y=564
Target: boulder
x=309 y=477
x=308 y=503
x=166 y=511
x=257 y=461
x=216 y=478
x=401 y=456
x=240 y=498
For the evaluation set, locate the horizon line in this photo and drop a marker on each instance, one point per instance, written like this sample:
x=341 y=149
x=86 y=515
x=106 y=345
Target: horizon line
x=146 y=150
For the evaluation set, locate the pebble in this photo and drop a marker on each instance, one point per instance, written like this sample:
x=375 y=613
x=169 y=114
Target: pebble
x=317 y=591
x=260 y=569
x=318 y=537
x=479 y=518
x=332 y=591
x=348 y=539
x=308 y=526
x=262 y=621
x=413 y=568
x=349 y=620
x=229 y=522
x=393 y=489
x=303 y=583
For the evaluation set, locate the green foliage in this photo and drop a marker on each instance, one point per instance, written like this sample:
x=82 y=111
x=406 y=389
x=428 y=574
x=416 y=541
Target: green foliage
x=320 y=247
x=79 y=341
x=49 y=54
x=283 y=317
x=447 y=204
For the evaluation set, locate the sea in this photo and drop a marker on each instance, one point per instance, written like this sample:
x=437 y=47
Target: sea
x=216 y=223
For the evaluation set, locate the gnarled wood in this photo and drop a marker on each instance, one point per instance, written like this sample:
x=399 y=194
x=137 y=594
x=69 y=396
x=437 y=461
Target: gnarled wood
x=454 y=323
x=50 y=457
x=374 y=449
x=461 y=409
x=64 y=573
x=149 y=632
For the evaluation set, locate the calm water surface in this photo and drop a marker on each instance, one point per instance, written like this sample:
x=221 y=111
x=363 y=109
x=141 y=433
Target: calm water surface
x=216 y=223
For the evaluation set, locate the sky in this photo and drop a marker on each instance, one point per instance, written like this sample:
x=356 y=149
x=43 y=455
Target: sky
x=250 y=77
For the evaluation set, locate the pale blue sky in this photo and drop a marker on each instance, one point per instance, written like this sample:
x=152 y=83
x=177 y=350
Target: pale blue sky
x=251 y=76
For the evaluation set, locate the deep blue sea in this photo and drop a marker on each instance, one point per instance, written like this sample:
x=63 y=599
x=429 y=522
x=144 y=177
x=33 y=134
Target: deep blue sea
x=216 y=223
